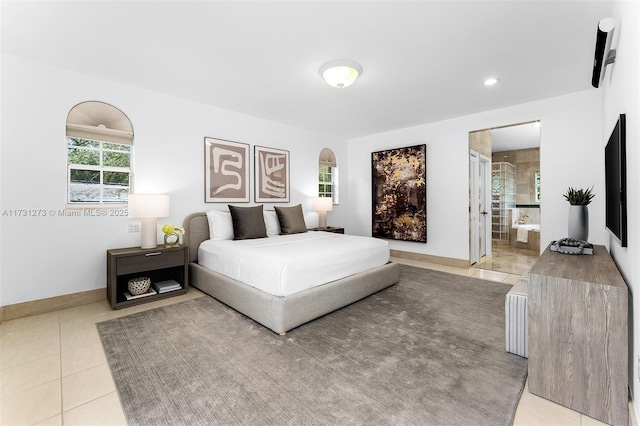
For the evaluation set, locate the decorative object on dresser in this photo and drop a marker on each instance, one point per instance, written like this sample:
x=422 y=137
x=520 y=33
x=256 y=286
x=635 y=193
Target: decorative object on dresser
x=579 y=212
x=271 y=175
x=160 y=264
x=172 y=235
x=148 y=208
x=400 y=193
x=226 y=171
x=322 y=205
x=578 y=336
x=571 y=246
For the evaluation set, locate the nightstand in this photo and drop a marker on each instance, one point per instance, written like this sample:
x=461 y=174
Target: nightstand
x=334 y=229
x=159 y=264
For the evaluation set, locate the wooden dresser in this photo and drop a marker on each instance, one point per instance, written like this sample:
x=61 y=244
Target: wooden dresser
x=578 y=336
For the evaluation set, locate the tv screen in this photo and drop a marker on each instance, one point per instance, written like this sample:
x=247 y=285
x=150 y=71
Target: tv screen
x=616 y=182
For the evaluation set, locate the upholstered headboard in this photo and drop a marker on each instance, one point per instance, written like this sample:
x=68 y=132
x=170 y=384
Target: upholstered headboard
x=196 y=230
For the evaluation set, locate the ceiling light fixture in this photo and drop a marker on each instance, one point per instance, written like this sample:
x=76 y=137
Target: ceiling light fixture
x=491 y=81
x=340 y=73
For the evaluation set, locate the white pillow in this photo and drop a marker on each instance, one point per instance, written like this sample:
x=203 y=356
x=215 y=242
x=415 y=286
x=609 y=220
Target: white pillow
x=272 y=223
x=220 y=225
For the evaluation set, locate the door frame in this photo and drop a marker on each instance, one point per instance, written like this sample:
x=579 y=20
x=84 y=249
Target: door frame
x=485 y=197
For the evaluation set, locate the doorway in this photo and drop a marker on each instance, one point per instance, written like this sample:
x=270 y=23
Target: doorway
x=505 y=161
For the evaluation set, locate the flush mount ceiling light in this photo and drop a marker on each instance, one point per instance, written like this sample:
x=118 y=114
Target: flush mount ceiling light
x=340 y=73
x=491 y=81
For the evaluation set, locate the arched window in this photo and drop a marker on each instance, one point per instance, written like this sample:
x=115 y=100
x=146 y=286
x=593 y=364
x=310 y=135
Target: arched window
x=328 y=175
x=99 y=154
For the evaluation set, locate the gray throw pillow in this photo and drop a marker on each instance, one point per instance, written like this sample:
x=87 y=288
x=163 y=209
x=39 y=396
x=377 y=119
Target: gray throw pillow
x=248 y=222
x=291 y=220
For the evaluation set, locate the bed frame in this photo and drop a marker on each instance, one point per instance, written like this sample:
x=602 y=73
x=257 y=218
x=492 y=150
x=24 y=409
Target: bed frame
x=280 y=314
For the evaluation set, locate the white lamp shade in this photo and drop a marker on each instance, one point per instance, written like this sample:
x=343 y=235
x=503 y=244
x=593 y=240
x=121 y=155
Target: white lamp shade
x=148 y=205
x=322 y=204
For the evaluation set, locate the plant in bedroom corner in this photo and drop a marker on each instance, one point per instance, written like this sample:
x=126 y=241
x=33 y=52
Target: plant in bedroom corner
x=579 y=212
x=171 y=234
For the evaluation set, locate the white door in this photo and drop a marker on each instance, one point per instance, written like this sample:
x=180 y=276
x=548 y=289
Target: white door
x=474 y=207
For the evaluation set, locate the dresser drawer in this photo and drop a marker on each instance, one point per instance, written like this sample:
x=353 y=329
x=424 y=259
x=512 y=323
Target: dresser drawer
x=149 y=261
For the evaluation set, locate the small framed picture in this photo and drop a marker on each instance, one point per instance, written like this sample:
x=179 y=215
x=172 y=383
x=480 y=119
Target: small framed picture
x=226 y=171
x=271 y=175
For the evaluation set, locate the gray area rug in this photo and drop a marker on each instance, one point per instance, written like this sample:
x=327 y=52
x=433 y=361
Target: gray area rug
x=427 y=351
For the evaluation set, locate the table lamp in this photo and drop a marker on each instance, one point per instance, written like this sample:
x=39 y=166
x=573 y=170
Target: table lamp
x=322 y=205
x=148 y=208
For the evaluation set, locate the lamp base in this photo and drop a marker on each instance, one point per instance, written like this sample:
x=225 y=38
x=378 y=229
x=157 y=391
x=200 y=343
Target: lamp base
x=149 y=233
x=322 y=219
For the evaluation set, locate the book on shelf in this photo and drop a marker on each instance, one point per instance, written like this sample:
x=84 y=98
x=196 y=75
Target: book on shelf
x=165 y=286
x=149 y=292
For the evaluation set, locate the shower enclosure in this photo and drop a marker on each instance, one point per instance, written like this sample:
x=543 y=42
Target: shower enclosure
x=503 y=199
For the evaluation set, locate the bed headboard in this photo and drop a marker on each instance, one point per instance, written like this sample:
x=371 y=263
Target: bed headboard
x=196 y=230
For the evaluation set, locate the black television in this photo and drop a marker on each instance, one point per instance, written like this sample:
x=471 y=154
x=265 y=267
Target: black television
x=615 y=164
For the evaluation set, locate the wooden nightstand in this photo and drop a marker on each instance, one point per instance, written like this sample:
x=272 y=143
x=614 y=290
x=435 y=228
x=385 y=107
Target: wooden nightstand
x=160 y=264
x=334 y=229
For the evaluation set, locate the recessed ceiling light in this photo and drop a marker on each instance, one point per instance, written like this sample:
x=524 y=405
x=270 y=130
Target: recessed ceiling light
x=490 y=81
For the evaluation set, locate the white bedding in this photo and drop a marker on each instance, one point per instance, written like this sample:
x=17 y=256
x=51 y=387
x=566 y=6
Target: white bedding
x=287 y=264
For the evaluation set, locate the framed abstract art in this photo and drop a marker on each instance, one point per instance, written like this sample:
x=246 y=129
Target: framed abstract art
x=271 y=175
x=399 y=193
x=226 y=171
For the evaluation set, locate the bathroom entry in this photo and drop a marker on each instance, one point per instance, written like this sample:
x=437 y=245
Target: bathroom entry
x=514 y=195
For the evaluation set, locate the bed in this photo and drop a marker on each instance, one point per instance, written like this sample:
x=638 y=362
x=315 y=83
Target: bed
x=288 y=310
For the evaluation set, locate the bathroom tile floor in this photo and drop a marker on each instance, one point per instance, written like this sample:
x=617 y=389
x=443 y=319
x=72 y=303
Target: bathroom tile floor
x=53 y=369
x=509 y=259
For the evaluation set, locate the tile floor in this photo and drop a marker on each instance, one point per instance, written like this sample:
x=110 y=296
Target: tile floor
x=53 y=370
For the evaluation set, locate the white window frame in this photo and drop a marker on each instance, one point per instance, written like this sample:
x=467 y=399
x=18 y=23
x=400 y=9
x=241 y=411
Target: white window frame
x=101 y=168
x=331 y=183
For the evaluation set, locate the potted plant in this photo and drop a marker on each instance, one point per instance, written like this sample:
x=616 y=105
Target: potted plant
x=579 y=212
x=579 y=197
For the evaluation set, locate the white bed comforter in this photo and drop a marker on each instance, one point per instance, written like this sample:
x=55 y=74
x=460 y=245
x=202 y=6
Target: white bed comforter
x=287 y=264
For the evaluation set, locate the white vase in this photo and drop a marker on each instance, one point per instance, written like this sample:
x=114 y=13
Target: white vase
x=579 y=222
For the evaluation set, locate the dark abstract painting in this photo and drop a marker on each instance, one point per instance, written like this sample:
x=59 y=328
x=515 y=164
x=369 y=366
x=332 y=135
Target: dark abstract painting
x=399 y=178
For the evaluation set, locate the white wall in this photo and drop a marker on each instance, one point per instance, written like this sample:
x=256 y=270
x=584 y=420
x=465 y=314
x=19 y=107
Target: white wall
x=52 y=255
x=571 y=154
x=621 y=94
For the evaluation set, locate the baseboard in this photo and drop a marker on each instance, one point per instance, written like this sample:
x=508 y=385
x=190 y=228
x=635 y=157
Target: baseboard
x=50 y=304
x=449 y=261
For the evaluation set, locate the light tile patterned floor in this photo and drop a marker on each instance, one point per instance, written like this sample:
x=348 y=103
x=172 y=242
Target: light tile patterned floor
x=53 y=370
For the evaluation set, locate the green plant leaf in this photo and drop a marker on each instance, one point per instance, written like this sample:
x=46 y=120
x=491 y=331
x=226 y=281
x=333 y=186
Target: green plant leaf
x=579 y=197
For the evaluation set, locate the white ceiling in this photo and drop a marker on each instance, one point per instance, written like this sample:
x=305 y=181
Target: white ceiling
x=422 y=61
x=518 y=136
